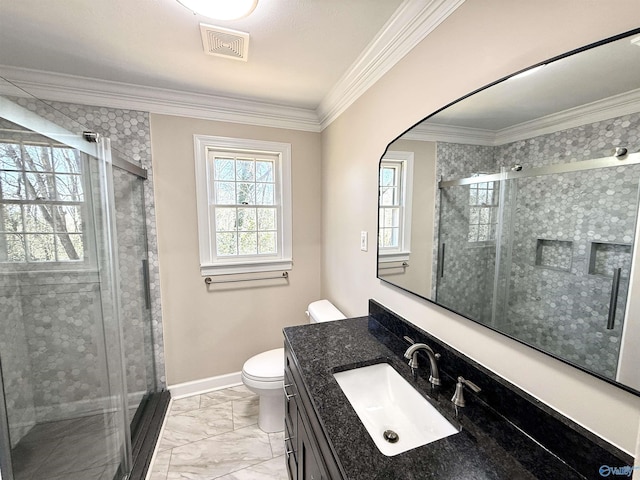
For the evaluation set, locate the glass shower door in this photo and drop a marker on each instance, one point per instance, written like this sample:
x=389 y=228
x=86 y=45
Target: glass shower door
x=60 y=351
x=569 y=252
x=135 y=305
x=467 y=248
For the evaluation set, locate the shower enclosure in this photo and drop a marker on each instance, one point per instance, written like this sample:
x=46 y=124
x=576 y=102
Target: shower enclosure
x=77 y=348
x=543 y=254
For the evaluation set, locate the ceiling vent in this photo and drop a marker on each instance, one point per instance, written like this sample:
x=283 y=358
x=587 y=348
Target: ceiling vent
x=222 y=42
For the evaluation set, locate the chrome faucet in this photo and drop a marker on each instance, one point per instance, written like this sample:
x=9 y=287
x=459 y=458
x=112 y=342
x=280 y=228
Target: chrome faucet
x=412 y=355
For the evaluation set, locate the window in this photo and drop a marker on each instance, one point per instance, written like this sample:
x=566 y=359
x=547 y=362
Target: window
x=42 y=203
x=483 y=212
x=244 y=205
x=396 y=179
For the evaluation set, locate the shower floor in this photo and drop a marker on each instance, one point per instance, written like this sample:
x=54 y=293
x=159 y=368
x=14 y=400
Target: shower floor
x=75 y=449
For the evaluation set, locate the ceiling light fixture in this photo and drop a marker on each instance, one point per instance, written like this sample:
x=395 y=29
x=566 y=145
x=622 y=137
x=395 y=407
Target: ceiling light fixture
x=221 y=9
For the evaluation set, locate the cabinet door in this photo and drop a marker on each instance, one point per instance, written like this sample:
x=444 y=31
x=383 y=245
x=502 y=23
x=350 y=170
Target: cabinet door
x=290 y=446
x=309 y=465
x=290 y=404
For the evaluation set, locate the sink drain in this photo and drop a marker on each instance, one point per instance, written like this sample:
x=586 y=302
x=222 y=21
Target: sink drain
x=390 y=436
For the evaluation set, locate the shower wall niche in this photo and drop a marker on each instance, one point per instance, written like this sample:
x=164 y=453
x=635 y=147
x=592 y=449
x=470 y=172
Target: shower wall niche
x=558 y=239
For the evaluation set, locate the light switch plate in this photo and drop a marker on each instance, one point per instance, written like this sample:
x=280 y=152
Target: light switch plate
x=364 y=241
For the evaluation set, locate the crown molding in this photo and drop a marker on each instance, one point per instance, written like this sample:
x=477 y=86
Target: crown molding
x=433 y=132
x=408 y=26
x=90 y=91
x=611 y=107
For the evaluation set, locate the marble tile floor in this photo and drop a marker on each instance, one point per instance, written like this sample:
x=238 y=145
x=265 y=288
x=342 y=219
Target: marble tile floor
x=216 y=436
x=83 y=448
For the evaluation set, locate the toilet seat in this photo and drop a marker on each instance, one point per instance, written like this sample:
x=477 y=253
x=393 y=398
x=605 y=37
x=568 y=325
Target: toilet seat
x=265 y=370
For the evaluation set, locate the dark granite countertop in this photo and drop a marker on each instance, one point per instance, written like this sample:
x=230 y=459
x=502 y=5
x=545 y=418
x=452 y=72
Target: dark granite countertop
x=487 y=447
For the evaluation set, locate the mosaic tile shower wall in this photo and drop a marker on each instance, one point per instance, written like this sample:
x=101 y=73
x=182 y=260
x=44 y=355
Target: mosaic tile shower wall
x=21 y=414
x=56 y=349
x=466 y=282
x=565 y=233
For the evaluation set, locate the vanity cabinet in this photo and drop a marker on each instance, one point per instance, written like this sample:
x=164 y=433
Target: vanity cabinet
x=309 y=456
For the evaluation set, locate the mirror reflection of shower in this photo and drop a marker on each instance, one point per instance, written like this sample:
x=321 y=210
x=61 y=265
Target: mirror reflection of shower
x=541 y=253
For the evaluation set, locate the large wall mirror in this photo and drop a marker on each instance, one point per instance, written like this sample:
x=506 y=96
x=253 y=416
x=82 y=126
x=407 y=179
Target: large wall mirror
x=517 y=208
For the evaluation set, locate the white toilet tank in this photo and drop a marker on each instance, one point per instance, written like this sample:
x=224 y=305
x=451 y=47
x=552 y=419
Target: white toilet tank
x=323 y=311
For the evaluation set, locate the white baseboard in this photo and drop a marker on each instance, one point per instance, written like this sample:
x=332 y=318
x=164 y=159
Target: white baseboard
x=204 y=385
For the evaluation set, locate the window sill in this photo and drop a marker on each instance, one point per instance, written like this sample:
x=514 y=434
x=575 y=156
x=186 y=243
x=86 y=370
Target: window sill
x=393 y=257
x=230 y=268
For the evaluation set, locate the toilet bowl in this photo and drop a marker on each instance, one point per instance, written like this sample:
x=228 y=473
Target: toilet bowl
x=263 y=374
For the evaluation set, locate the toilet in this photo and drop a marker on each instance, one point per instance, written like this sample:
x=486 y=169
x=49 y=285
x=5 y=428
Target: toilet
x=263 y=374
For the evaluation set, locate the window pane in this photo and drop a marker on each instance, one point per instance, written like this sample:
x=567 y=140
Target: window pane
x=71 y=218
x=70 y=247
x=12 y=218
x=35 y=218
x=474 y=216
x=37 y=158
x=264 y=194
x=389 y=237
x=224 y=169
x=66 y=160
x=248 y=243
x=391 y=217
x=264 y=171
x=484 y=215
x=267 y=242
x=10 y=155
x=225 y=219
x=489 y=197
x=12 y=185
x=226 y=244
x=40 y=186
x=69 y=188
x=41 y=248
x=473 y=195
x=266 y=219
x=482 y=197
x=15 y=248
x=388 y=196
x=225 y=193
x=247 y=219
x=388 y=176
x=244 y=170
x=246 y=193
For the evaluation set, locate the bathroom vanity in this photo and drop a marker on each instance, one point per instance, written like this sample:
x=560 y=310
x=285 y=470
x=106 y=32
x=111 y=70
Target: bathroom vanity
x=503 y=433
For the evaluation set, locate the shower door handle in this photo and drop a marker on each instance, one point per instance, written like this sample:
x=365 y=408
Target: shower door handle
x=613 y=301
x=145 y=280
x=441 y=262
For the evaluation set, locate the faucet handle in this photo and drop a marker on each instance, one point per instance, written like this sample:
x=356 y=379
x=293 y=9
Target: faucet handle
x=458 y=396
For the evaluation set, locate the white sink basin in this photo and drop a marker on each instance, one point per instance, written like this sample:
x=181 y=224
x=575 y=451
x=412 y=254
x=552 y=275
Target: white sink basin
x=385 y=401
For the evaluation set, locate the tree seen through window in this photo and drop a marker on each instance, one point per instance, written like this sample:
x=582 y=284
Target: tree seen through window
x=41 y=203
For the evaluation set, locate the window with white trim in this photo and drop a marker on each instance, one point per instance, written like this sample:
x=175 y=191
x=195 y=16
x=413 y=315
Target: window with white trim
x=396 y=179
x=243 y=190
x=42 y=204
